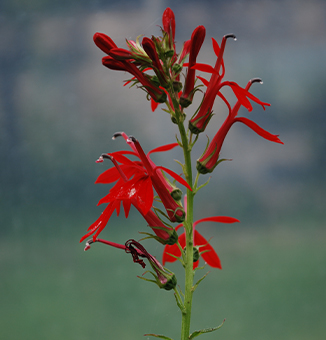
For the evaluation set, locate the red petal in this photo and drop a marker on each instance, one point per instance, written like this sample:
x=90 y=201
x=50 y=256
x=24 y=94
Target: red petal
x=216 y=47
x=242 y=95
x=260 y=131
x=204 y=68
x=162 y=148
x=108 y=176
x=210 y=256
x=145 y=195
x=175 y=176
x=170 y=249
x=182 y=240
x=225 y=101
x=220 y=219
x=122 y=159
x=102 y=221
x=205 y=81
x=126 y=206
x=154 y=104
x=195 y=265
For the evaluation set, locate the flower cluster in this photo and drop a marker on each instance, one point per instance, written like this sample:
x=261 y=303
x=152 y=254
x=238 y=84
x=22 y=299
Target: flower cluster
x=169 y=77
x=135 y=181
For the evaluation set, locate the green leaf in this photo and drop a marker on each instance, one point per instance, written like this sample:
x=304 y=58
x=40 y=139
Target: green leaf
x=159 y=336
x=206 y=330
x=198 y=282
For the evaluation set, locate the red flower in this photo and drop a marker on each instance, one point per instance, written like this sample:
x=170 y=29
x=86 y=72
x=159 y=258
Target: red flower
x=137 y=191
x=199 y=122
x=208 y=161
x=174 y=210
x=150 y=49
x=197 y=39
x=168 y=21
x=125 y=65
x=163 y=277
x=206 y=251
x=134 y=186
x=104 y=42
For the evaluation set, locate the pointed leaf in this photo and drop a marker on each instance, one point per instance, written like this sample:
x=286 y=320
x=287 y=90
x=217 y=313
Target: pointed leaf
x=159 y=336
x=207 y=330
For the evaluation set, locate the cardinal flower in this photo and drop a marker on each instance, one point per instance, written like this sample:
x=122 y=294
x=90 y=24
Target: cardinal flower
x=196 y=42
x=163 y=277
x=125 y=65
x=134 y=185
x=201 y=245
x=208 y=161
x=168 y=21
x=161 y=186
x=199 y=122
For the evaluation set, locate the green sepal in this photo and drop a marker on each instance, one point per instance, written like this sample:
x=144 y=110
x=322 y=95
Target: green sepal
x=159 y=336
x=170 y=284
x=203 y=185
x=206 y=330
x=201 y=168
x=171 y=240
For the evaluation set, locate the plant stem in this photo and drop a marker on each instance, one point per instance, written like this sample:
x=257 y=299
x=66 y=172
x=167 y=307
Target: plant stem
x=189 y=274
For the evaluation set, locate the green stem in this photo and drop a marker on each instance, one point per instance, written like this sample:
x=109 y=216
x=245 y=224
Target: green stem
x=188 y=259
x=189 y=274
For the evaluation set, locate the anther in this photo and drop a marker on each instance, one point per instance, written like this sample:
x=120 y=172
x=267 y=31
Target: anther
x=230 y=35
x=105 y=155
x=101 y=158
x=88 y=244
x=117 y=134
x=132 y=139
x=256 y=80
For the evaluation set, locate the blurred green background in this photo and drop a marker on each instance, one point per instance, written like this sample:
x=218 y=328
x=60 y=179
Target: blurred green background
x=58 y=110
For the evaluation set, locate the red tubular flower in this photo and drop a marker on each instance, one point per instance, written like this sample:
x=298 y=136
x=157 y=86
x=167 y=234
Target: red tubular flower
x=174 y=210
x=206 y=251
x=208 y=161
x=124 y=65
x=137 y=191
x=168 y=21
x=162 y=187
x=163 y=277
x=199 y=122
x=150 y=49
x=197 y=39
x=134 y=186
x=121 y=54
x=104 y=42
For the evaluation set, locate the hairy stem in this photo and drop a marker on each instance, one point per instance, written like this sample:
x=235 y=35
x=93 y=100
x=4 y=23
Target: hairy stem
x=189 y=274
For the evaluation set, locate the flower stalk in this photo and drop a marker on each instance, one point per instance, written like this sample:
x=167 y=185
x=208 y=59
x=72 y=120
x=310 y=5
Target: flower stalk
x=141 y=183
